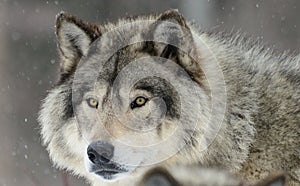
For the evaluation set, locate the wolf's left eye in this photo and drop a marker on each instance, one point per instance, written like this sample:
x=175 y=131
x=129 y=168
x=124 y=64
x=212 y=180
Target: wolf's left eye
x=138 y=102
x=92 y=102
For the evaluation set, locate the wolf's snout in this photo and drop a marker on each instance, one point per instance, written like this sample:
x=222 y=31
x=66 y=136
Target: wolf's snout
x=100 y=152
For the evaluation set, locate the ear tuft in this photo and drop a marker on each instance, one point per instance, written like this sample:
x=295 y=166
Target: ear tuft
x=74 y=38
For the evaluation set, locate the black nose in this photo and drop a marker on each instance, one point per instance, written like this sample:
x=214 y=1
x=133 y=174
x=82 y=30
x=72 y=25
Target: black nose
x=100 y=152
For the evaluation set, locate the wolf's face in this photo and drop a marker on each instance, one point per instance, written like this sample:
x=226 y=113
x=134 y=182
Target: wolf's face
x=129 y=96
x=134 y=121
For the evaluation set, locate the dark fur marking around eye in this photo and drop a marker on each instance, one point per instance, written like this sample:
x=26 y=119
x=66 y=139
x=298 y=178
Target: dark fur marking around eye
x=159 y=87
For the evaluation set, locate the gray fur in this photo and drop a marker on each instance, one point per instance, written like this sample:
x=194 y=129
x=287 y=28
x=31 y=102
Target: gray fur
x=260 y=131
x=200 y=176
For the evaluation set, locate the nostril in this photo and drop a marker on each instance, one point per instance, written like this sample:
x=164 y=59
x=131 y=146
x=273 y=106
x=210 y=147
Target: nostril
x=100 y=152
x=92 y=157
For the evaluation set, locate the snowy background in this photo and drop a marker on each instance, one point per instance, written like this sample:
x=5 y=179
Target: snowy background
x=29 y=62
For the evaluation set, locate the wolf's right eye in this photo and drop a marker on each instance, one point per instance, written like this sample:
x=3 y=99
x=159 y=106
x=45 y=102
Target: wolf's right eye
x=138 y=102
x=92 y=102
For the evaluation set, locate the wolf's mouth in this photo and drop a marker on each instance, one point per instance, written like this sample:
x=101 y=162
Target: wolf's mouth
x=109 y=171
x=109 y=174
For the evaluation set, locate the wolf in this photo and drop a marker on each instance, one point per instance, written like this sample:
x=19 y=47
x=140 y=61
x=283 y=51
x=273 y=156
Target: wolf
x=158 y=90
x=194 y=175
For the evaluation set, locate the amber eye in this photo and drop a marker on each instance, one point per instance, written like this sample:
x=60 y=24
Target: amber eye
x=92 y=102
x=138 y=102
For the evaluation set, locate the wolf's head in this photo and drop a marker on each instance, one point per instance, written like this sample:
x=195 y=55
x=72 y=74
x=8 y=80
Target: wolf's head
x=129 y=95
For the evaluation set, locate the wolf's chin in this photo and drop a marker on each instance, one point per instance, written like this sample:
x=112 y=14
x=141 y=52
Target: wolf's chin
x=108 y=176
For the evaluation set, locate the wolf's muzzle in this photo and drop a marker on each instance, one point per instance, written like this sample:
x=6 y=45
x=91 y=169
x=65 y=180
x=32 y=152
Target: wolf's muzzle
x=100 y=152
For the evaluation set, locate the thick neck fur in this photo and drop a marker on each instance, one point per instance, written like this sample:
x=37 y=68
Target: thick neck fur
x=262 y=98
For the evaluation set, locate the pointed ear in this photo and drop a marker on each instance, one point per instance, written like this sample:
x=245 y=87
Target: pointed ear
x=273 y=180
x=177 y=42
x=74 y=38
